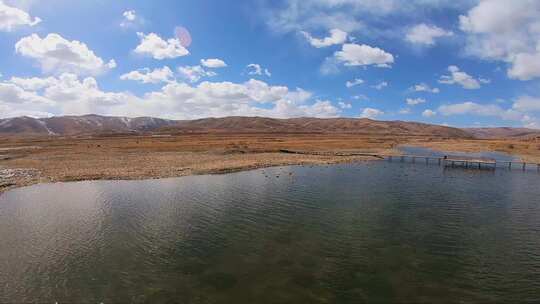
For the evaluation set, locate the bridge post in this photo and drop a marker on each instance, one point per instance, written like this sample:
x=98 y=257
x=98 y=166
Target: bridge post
x=414 y=159
x=524 y=166
x=510 y=165
x=439 y=161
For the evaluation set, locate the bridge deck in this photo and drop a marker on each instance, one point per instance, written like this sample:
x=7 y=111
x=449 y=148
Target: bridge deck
x=462 y=161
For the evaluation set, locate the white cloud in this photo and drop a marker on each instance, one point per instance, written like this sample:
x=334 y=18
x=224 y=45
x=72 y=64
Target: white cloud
x=471 y=108
x=12 y=17
x=344 y=105
x=130 y=15
x=362 y=55
x=525 y=66
x=337 y=36
x=13 y=95
x=213 y=63
x=150 y=76
x=422 y=87
x=360 y=97
x=498 y=30
x=131 y=19
x=160 y=49
x=194 y=73
x=371 y=113
x=429 y=113
x=32 y=84
x=355 y=82
x=459 y=77
x=426 y=34
x=527 y=104
x=380 y=85
x=256 y=69
x=347 y=15
x=58 y=55
x=405 y=111
x=415 y=101
x=67 y=94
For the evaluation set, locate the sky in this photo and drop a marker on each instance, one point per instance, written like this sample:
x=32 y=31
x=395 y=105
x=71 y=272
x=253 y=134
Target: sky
x=463 y=63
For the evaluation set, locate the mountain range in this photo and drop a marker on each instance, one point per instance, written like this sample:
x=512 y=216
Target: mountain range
x=96 y=124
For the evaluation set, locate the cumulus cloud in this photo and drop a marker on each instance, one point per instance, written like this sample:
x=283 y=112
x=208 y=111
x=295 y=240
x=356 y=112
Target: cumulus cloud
x=422 y=87
x=65 y=94
x=429 y=113
x=527 y=104
x=213 y=63
x=130 y=15
x=352 y=54
x=355 y=82
x=56 y=55
x=150 y=76
x=194 y=73
x=426 y=34
x=371 y=113
x=472 y=108
x=497 y=30
x=256 y=69
x=68 y=94
x=405 y=111
x=347 y=15
x=337 y=36
x=459 y=77
x=12 y=17
x=415 y=101
x=153 y=45
x=360 y=97
x=131 y=19
x=380 y=85
x=344 y=105
x=33 y=83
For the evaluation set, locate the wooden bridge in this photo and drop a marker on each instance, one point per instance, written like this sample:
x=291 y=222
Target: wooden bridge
x=462 y=162
x=446 y=161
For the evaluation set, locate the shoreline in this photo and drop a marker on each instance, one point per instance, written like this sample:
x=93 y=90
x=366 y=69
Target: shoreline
x=25 y=162
x=39 y=179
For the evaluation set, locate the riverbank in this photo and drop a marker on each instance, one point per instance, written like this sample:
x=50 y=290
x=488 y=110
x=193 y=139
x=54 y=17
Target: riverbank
x=38 y=160
x=27 y=161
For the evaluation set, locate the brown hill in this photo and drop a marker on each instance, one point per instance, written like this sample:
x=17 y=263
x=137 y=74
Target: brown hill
x=503 y=132
x=315 y=125
x=86 y=124
x=95 y=124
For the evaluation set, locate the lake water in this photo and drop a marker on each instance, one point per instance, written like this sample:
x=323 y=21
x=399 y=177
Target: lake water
x=421 y=151
x=367 y=232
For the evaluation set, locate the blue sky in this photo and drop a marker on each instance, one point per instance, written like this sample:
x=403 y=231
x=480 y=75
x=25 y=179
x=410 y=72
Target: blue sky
x=460 y=62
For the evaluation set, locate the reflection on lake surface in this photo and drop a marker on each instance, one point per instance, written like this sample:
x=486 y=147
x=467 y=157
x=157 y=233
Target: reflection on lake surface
x=338 y=234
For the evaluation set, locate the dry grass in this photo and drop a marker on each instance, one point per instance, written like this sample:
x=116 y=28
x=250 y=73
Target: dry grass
x=138 y=157
x=527 y=150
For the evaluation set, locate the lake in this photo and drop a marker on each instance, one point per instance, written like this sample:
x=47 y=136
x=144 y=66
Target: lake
x=350 y=233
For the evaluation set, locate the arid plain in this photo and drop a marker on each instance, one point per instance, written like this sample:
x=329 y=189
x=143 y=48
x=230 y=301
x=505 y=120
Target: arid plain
x=30 y=160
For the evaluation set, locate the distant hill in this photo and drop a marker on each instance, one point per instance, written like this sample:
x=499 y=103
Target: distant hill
x=314 y=125
x=86 y=124
x=95 y=124
x=503 y=132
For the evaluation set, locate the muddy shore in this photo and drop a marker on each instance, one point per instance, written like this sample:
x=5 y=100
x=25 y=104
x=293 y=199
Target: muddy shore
x=27 y=161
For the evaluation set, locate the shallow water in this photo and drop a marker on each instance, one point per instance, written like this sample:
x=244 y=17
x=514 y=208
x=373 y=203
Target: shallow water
x=421 y=151
x=370 y=232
